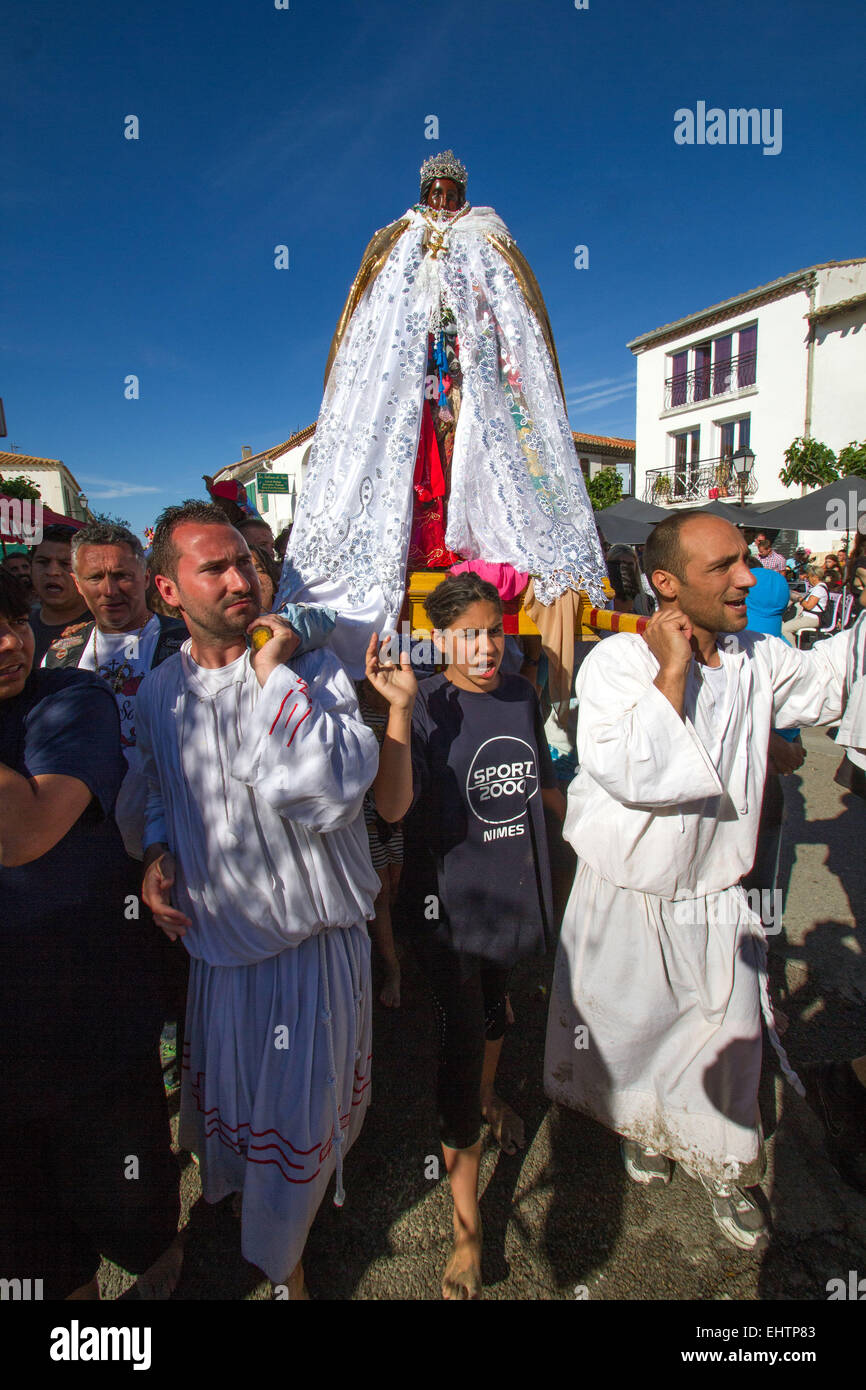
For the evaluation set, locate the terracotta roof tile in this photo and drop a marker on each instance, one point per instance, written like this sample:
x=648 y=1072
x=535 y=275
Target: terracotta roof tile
x=603 y=441
x=19 y=461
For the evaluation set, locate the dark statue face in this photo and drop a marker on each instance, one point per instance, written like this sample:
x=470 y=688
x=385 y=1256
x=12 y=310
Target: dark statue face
x=444 y=195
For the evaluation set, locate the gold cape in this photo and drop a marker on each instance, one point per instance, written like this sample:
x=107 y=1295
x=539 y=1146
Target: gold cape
x=380 y=248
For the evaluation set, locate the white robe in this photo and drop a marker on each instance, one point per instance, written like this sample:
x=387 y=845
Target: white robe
x=852 y=728
x=517 y=493
x=655 y=1016
x=258 y=792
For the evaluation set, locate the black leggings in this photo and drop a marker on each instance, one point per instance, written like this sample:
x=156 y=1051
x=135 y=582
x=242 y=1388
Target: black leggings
x=469 y=1012
x=69 y=1191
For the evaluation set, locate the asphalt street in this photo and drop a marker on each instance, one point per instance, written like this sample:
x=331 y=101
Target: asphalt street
x=561 y=1219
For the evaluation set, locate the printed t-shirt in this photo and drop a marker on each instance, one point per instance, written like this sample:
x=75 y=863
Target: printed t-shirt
x=46 y=633
x=475 y=841
x=123 y=659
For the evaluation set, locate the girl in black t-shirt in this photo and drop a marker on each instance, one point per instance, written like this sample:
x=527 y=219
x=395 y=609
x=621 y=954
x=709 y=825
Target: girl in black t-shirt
x=465 y=761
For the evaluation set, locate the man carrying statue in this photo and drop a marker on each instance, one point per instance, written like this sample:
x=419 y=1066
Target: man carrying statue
x=443 y=434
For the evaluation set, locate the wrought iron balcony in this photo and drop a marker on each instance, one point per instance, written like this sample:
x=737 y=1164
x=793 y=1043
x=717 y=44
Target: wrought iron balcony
x=700 y=481
x=708 y=381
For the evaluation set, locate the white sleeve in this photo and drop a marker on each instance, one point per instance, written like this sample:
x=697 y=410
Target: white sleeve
x=155 y=825
x=807 y=686
x=306 y=750
x=630 y=738
x=852 y=729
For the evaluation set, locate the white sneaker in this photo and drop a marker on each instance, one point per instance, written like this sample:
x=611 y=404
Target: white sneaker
x=736 y=1212
x=644 y=1166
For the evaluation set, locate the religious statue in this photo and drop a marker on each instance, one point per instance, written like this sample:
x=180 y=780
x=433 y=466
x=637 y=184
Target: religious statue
x=443 y=433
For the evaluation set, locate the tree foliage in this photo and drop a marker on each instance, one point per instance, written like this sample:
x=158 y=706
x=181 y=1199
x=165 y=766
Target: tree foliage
x=109 y=519
x=604 y=489
x=810 y=463
x=852 y=459
x=21 y=487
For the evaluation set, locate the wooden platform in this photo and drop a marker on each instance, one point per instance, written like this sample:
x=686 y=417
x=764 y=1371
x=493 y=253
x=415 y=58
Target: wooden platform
x=515 y=619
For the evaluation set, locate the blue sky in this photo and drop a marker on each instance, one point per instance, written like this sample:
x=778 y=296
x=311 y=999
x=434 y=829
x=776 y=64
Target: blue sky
x=305 y=127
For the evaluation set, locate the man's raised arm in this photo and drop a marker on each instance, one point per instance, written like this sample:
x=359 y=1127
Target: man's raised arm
x=631 y=735
x=306 y=750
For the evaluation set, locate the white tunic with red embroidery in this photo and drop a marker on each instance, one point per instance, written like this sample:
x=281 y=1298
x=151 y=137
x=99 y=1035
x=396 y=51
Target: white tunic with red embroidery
x=258 y=791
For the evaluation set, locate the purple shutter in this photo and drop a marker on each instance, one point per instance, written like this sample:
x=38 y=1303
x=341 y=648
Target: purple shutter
x=702 y=372
x=679 y=378
x=722 y=366
x=748 y=356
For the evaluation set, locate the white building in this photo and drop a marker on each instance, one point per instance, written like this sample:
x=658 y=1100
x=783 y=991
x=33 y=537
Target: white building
x=289 y=458
x=595 y=452
x=58 y=489
x=599 y=451
x=756 y=371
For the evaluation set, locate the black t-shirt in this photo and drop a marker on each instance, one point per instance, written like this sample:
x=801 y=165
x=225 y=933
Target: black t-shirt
x=46 y=633
x=77 y=970
x=475 y=837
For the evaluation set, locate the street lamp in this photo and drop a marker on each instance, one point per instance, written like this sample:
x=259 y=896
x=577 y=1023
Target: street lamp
x=743 y=462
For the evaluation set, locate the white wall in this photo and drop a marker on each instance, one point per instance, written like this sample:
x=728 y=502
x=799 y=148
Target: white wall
x=776 y=403
x=839 y=391
x=280 y=505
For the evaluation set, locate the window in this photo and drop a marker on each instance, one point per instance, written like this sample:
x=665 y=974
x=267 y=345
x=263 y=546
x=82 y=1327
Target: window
x=734 y=435
x=584 y=466
x=624 y=470
x=687 y=448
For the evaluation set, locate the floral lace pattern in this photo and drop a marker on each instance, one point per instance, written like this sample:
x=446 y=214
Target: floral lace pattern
x=517 y=492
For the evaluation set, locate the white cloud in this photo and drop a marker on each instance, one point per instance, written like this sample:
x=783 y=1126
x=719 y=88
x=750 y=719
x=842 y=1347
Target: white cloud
x=597 y=398
x=608 y=388
x=113 y=487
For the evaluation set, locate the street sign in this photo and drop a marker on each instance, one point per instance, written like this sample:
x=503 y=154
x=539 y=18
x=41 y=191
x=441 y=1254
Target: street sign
x=272 y=482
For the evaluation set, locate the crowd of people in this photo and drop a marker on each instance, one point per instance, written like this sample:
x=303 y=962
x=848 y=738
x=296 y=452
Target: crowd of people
x=201 y=813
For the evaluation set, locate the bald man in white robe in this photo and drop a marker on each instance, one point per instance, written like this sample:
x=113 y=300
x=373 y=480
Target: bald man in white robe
x=660 y=983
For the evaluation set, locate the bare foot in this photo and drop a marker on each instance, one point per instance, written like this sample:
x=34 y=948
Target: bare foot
x=295 y=1289
x=160 y=1281
x=462 y=1277
x=507 y=1126
x=389 y=995
x=88 y=1291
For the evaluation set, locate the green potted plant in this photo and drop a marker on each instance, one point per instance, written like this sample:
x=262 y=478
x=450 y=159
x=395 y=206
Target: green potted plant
x=661 y=487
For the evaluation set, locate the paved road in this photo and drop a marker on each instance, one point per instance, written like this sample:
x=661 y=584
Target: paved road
x=562 y=1220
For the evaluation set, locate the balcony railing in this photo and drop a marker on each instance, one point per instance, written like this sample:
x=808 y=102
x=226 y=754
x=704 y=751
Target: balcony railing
x=696 y=482
x=707 y=381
